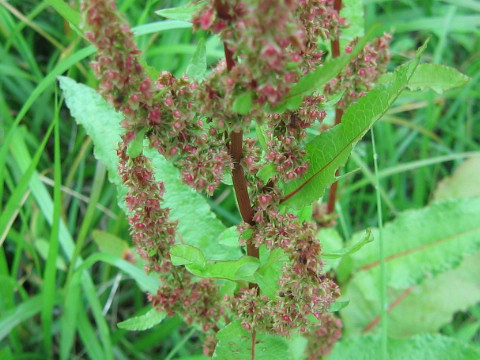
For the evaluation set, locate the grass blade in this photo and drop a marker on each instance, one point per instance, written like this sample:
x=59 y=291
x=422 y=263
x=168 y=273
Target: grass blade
x=49 y=280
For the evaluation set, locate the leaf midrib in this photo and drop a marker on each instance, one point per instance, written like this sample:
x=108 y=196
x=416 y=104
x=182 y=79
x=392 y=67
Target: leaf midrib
x=417 y=249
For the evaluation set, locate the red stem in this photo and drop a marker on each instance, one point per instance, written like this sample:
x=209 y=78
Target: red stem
x=337 y=5
x=236 y=151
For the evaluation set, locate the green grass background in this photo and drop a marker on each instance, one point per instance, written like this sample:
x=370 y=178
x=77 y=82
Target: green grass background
x=54 y=193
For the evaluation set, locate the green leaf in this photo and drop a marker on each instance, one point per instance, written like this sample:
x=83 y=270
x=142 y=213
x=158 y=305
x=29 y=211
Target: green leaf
x=331 y=241
x=463 y=182
x=268 y=275
x=145 y=282
x=427 y=346
x=135 y=147
x=433 y=304
x=159 y=26
x=186 y=255
x=243 y=103
x=101 y=123
x=198 y=65
x=260 y=130
x=66 y=11
x=267 y=172
x=321 y=76
x=439 y=78
x=367 y=238
x=143 y=322
x=235 y=270
x=43 y=247
x=353 y=11
x=110 y=244
x=183 y=13
x=229 y=237
x=247 y=234
x=338 y=305
x=235 y=343
x=418 y=245
x=198 y=225
x=20 y=313
x=331 y=149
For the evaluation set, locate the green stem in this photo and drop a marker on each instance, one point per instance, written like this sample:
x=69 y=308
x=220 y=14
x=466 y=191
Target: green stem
x=383 y=270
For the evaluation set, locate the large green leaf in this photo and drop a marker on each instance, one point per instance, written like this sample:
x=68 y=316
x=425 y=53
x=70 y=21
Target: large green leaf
x=432 y=304
x=418 y=244
x=198 y=225
x=421 y=347
x=235 y=343
x=101 y=123
x=331 y=149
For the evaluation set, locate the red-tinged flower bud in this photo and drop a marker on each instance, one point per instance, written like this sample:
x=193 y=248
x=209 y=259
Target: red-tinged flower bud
x=188 y=178
x=206 y=19
x=154 y=116
x=211 y=189
x=348 y=49
x=135 y=98
x=290 y=77
x=219 y=26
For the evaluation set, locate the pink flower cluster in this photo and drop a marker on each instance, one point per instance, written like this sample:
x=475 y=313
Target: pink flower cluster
x=362 y=73
x=198 y=301
x=150 y=226
x=264 y=36
x=164 y=105
x=303 y=289
x=323 y=336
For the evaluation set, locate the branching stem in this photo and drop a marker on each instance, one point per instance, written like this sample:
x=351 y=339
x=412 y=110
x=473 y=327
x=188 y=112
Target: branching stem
x=238 y=175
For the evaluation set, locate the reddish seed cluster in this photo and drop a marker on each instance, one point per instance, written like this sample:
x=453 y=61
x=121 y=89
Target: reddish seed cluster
x=151 y=229
x=320 y=20
x=165 y=105
x=285 y=135
x=303 y=289
x=198 y=301
x=362 y=73
x=204 y=168
x=298 y=298
x=323 y=336
x=264 y=36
